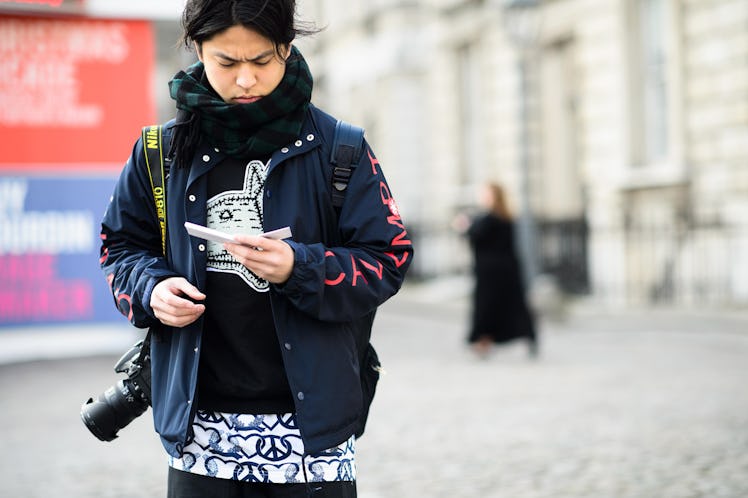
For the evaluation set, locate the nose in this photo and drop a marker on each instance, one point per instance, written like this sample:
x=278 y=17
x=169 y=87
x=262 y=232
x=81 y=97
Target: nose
x=245 y=77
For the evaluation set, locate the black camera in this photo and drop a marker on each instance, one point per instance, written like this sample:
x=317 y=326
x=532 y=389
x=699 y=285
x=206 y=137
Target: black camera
x=126 y=400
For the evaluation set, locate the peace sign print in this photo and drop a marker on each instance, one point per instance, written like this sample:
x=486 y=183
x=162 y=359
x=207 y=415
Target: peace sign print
x=260 y=448
x=273 y=448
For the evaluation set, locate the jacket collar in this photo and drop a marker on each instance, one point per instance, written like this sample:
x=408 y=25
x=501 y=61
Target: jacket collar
x=206 y=157
x=307 y=140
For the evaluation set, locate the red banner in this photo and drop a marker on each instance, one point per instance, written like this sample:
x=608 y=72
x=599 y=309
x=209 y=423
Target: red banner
x=73 y=90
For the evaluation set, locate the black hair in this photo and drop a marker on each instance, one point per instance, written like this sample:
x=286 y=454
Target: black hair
x=204 y=19
x=273 y=19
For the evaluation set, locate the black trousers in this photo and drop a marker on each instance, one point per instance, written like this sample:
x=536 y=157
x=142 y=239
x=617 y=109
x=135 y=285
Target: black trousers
x=187 y=485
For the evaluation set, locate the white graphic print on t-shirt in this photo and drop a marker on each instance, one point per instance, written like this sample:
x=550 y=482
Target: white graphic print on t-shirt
x=238 y=211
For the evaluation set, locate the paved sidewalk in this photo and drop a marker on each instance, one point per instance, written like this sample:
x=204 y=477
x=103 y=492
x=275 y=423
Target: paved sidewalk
x=618 y=405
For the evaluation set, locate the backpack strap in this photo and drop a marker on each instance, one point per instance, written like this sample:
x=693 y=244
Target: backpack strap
x=153 y=149
x=347 y=146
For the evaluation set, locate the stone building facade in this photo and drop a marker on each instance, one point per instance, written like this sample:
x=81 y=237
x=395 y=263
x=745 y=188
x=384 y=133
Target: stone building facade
x=619 y=127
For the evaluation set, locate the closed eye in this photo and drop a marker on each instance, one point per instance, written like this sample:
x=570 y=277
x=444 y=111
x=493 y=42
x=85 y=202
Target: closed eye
x=261 y=60
x=225 y=62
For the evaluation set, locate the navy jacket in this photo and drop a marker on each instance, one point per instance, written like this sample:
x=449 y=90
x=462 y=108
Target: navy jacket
x=345 y=267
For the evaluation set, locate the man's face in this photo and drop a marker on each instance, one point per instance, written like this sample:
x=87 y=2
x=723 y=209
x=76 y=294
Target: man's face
x=242 y=66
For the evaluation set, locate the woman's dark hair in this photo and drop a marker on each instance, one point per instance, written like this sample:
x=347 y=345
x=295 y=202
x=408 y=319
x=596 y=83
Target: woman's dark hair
x=273 y=19
x=498 y=203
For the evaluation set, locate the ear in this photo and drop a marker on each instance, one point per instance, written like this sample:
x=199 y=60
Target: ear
x=286 y=51
x=199 y=51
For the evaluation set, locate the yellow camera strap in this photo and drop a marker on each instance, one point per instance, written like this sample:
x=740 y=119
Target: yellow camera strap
x=154 y=159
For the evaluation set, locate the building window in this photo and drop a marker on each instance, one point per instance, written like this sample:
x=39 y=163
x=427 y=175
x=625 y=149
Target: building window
x=650 y=63
x=471 y=164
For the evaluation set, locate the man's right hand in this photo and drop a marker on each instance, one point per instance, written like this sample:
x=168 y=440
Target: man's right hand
x=172 y=302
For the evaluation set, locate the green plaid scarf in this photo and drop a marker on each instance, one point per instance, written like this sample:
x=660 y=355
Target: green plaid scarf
x=243 y=130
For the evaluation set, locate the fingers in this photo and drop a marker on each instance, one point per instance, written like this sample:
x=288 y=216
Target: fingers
x=269 y=259
x=187 y=290
x=172 y=302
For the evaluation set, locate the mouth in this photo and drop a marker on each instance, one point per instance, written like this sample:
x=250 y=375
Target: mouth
x=246 y=99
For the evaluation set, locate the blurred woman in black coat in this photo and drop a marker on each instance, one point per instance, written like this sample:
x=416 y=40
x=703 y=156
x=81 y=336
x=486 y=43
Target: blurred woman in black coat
x=500 y=311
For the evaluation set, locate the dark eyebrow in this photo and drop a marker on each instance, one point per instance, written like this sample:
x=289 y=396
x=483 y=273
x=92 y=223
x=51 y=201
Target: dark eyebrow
x=254 y=59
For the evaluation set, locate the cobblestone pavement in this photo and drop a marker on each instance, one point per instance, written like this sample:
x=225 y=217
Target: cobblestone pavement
x=619 y=406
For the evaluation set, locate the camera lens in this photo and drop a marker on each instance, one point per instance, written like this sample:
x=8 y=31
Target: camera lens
x=113 y=409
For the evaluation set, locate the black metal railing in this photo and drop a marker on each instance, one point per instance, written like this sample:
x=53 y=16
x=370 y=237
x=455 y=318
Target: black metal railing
x=562 y=254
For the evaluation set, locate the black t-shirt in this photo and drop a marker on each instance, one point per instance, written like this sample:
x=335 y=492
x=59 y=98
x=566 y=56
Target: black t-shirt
x=241 y=367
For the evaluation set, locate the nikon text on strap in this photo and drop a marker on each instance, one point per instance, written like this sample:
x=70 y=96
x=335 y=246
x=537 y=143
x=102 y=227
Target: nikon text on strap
x=154 y=159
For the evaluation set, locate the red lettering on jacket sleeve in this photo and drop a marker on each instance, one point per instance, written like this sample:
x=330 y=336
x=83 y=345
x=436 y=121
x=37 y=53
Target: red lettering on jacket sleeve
x=394 y=218
x=384 y=193
x=356 y=273
x=105 y=250
x=374 y=161
x=398 y=261
x=378 y=270
x=121 y=299
x=399 y=239
x=339 y=278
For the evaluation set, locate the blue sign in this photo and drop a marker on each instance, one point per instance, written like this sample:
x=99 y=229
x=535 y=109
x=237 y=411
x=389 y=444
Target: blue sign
x=49 y=250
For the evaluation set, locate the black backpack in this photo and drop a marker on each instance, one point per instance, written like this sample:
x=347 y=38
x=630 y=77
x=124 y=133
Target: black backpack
x=347 y=147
